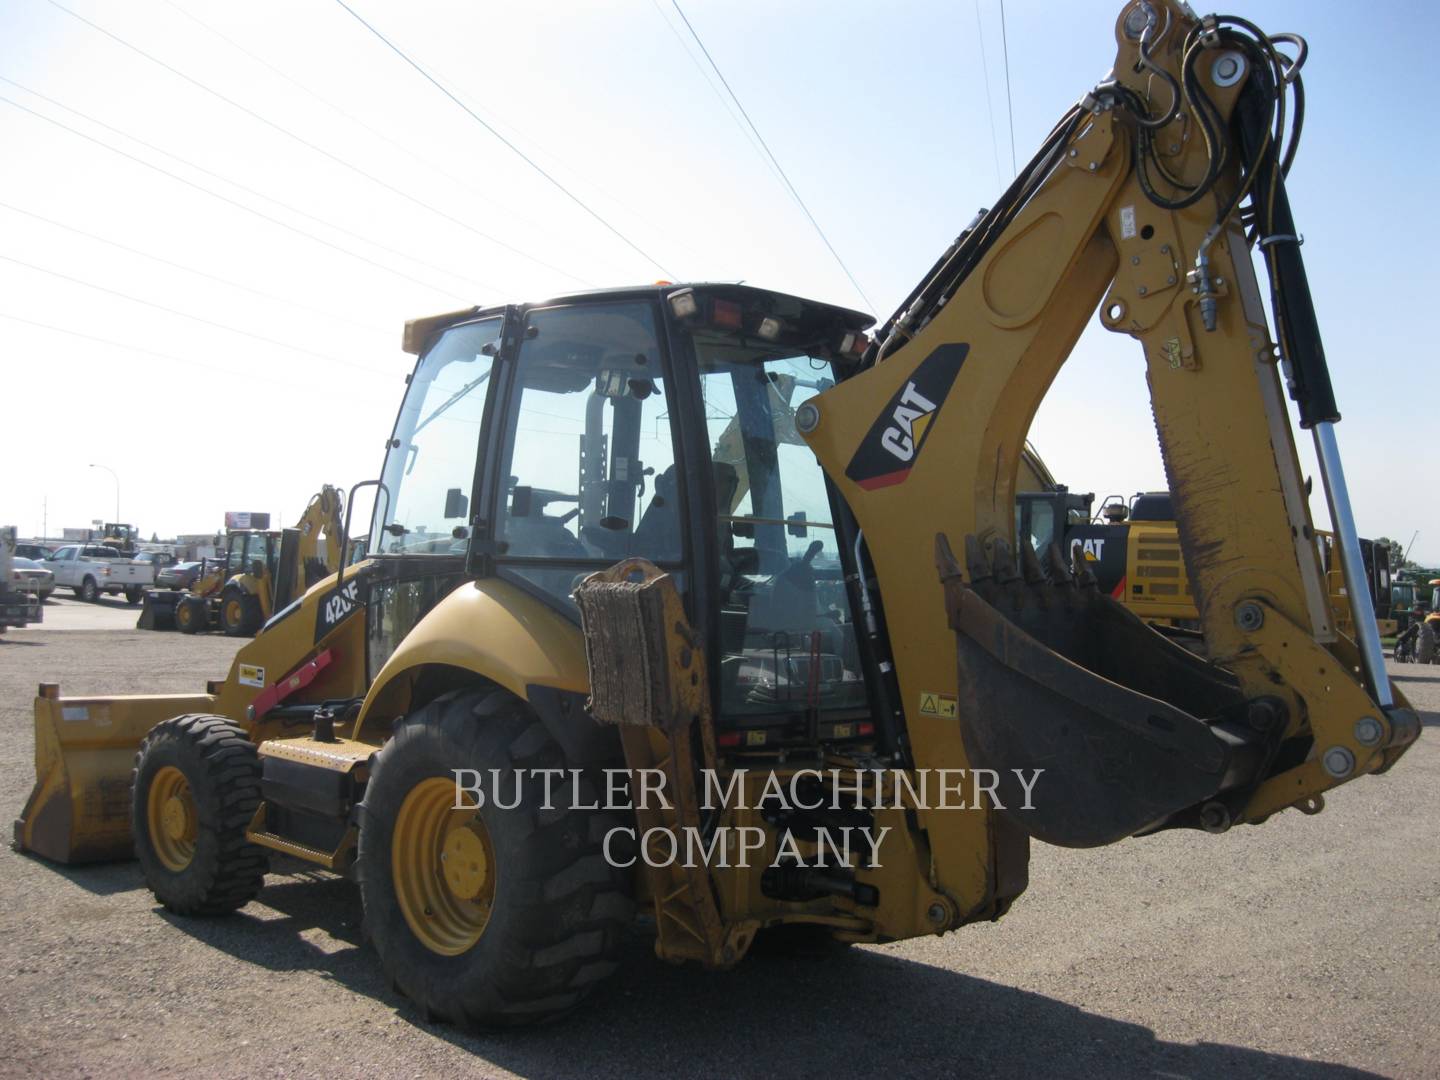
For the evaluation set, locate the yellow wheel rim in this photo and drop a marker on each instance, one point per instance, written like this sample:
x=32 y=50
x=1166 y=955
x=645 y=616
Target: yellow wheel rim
x=171 y=818
x=232 y=612
x=444 y=868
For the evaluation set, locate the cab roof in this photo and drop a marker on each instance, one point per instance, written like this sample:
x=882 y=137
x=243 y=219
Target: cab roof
x=419 y=331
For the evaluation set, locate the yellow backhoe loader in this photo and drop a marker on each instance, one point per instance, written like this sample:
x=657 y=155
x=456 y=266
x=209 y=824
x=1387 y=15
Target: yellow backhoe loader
x=694 y=597
x=261 y=573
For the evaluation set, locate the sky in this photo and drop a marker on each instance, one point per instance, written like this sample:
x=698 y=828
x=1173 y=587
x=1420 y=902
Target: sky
x=215 y=217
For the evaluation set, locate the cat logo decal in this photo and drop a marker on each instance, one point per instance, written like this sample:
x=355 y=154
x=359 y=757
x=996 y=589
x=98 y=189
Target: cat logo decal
x=893 y=444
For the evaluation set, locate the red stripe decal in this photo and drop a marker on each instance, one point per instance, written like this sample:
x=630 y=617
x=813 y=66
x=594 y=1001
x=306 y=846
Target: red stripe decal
x=298 y=679
x=888 y=480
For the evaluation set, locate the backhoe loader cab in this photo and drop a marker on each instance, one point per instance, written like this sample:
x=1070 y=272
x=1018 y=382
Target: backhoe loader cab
x=548 y=442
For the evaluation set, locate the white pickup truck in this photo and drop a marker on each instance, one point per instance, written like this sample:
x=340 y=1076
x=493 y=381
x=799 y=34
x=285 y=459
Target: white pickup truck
x=92 y=569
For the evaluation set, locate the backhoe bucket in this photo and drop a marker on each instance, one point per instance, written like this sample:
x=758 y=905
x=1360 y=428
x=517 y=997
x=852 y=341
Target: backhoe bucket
x=1132 y=731
x=79 y=810
x=158 y=610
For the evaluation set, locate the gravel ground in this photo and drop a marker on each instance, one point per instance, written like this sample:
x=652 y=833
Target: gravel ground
x=1309 y=947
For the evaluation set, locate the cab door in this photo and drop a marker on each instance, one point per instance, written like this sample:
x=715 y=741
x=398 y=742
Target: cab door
x=583 y=470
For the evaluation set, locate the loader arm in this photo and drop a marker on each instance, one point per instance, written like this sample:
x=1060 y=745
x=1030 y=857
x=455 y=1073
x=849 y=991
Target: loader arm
x=1133 y=205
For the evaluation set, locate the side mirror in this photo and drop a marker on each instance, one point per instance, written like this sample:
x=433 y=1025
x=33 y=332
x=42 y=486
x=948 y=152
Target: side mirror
x=522 y=501
x=456 y=504
x=796 y=524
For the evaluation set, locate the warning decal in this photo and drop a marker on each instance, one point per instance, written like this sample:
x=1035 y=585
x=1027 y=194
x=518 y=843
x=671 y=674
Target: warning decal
x=252 y=675
x=941 y=706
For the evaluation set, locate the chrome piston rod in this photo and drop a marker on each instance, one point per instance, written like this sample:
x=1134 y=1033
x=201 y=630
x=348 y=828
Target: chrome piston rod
x=1357 y=588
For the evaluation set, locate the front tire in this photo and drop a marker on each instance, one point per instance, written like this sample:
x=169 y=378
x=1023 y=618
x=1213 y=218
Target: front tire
x=88 y=591
x=489 y=917
x=191 y=615
x=195 y=789
x=239 y=613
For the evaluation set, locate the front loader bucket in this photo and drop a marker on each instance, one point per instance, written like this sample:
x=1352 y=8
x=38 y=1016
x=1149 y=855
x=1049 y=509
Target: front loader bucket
x=1131 y=731
x=158 y=610
x=79 y=810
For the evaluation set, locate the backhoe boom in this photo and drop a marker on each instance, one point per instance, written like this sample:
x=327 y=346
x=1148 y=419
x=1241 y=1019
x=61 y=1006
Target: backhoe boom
x=1134 y=736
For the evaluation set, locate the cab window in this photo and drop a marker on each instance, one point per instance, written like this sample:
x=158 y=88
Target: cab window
x=587 y=472
x=430 y=465
x=788 y=645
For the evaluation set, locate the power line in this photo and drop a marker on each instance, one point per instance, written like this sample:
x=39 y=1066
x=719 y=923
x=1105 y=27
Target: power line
x=236 y=203
x=508 y=144
x=794 y=194
x=248 y=190
x=185 y=361
x=402 y=193
x=710 y=82
x=195 y=318
x=191 y=269
x=1009 y=108
x=989 y=104
x=404 y=148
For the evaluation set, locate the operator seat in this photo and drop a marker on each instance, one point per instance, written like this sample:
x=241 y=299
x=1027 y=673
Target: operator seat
x=658 y=534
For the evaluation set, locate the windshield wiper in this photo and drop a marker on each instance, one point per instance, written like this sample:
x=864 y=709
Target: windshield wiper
x=451 y=400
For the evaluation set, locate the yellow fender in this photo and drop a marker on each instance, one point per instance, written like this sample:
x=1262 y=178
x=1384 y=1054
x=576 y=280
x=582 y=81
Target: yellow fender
x=521 y=642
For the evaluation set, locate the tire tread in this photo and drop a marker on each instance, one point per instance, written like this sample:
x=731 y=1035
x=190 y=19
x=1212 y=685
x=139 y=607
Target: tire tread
x=570 y=910
x=230 y=769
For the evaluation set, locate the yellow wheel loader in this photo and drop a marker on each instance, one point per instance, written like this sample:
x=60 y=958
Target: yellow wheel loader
x=695 y=600
x=261 y=573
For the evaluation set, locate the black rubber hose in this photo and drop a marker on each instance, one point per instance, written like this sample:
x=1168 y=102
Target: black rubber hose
x=1297 y=325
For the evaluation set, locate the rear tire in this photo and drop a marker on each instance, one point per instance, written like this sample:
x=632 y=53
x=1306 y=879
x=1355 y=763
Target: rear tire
x=88 y=591
x=1425 y=644
x=195 y=789
x=239 y=613
x=191 y=615
x=539 y=922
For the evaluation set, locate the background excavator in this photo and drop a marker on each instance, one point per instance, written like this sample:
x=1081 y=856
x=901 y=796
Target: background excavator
x=1133 y=549
x=262 y=571
x=719 y=537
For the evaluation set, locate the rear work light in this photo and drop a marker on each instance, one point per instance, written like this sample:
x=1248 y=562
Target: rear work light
x=853 y=344
x=683 y=304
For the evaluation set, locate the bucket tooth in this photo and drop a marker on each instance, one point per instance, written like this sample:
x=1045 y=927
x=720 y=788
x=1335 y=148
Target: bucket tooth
x=1030 y=567
x=1084 y=576
x=976 y=561
x=1058 y=566
x=1002 y=563
x=1057 y=676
